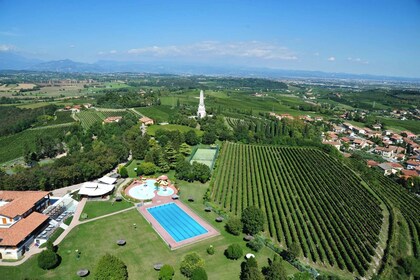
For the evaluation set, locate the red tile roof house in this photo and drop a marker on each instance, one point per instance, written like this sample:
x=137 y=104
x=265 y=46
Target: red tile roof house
x=408 y=173
x=20 y=220
x=112 y=119
x=412 y=164
x=146 y=121
x=371 y=163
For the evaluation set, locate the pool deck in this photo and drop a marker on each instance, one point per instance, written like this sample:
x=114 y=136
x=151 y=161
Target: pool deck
x=211 y=232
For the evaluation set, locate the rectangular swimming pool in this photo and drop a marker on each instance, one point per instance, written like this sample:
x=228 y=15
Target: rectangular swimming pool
x=176 y=222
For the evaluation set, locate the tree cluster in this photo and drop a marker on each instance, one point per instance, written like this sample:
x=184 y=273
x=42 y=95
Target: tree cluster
x=110 y=267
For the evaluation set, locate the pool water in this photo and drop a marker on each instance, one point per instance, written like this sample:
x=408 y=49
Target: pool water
x=147 y=190
x=176 y=221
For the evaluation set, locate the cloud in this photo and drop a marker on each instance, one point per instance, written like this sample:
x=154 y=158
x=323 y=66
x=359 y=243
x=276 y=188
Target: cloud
x=6 y=48
x=358 y=60
x=331 y=58
x=316 y=54
x=250 y=49
x=107 y=52
x=72 y=46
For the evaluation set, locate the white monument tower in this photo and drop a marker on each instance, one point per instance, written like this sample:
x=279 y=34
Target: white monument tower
x=201 y=113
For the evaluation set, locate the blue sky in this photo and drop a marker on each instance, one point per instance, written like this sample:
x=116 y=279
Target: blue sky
x=373 y=37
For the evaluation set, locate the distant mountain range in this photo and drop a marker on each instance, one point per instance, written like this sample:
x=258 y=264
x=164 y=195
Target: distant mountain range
x=13 y=61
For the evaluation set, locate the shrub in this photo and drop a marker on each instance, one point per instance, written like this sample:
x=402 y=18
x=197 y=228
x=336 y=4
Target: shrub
x=110 y=267
x=210 y=250
x=234 y=252
x=147 y=168
x=199 y=274
x=48 y=259
x=166 y=272
x=253 y=220
x=190 y=263
x=234 y=226
x=50 y=246
x=256 y=244
x=123 y=172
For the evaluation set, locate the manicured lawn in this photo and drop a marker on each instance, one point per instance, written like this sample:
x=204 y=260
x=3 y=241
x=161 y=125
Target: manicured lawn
x=182 y=128
x=95 y=209
x=130 y=168
x=68 y=220
x=144 y=247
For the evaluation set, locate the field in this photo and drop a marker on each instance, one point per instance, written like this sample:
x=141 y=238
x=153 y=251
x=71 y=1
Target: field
x=151 y=130
x=12 y=146
x=90 y=117
x=158 y=113
x=308 y=198
x=205 y=156
x=144 y=248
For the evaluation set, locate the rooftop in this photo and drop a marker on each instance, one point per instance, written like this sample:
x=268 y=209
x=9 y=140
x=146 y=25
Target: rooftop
x=15 y=234
x=19 y=202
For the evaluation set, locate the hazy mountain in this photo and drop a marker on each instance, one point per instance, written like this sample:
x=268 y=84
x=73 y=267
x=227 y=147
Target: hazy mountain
x=66 y=65
x=13 y=61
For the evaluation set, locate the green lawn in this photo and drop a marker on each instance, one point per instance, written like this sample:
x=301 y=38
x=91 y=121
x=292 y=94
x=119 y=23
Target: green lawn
x=144 y=247
x=151 y=130
x=95 y=209
x=130 y=168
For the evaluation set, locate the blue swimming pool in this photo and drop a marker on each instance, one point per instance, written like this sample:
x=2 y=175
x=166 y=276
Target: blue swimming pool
x=176 y=222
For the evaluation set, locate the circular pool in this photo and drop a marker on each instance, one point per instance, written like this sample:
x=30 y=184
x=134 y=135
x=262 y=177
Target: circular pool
x=146 y=190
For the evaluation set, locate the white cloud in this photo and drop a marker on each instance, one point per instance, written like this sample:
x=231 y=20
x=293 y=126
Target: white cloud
x=250 y=49
x=331 y=58
x=358 y=60
x=72 y=46
x=6 y=48
x=107 y=52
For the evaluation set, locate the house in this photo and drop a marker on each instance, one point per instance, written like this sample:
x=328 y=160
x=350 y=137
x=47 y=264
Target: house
x=386 y=168
x=396 y=166
x=87 y=105
x=409 y=134
x=372 y=163
x=376 y=127
x=396 y=139
x=386 y=152
x=146 y=121
x=112 y=119
x=336 y=144
x=408 y=173
x=76 y=108
x=359 y=143
x=411 y=164
x=359 y=130
x=338 y=128
x=390 y=167
x=21 y=220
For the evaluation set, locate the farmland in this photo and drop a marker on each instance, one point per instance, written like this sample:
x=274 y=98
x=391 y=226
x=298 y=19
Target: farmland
x=90 y=117
x=12 y=146
x=308 y=199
